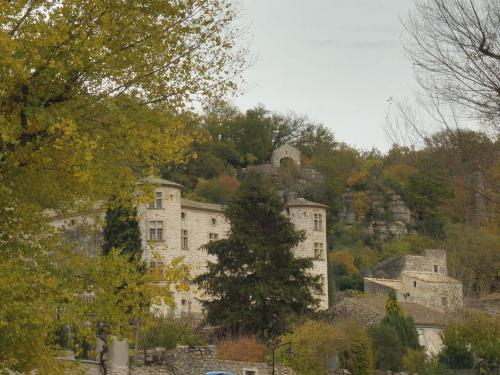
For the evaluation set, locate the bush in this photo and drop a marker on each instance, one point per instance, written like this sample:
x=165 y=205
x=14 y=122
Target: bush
x=169 y=332
x=387 y=347
x=244 y=349
x=414 y=361
x=318 y=344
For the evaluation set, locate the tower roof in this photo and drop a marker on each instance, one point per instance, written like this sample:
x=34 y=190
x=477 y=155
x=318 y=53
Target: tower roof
x=302 y=202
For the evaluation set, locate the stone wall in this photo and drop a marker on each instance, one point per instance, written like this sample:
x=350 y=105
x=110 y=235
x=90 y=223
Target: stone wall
x=285 y=151
x=198 y=361
x=427 y=262
x=303 y=219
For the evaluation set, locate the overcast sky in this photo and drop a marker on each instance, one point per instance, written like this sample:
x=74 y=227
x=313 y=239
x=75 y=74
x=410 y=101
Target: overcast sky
x=337 y=61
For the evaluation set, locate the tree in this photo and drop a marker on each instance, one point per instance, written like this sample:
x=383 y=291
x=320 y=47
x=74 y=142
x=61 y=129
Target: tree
x=319 y=345
x=403 y=324
x=455 y=47
x=121 y=231
x=93 y=96
x=257 y=285
x=387 y=347
x=472 y=333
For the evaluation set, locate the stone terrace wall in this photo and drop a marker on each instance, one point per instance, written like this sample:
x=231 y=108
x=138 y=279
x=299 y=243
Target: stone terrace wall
x=197 y=361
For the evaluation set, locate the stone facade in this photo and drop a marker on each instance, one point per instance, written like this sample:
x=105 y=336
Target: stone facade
x=174 y=227
x=418 y=279
x=283 y=153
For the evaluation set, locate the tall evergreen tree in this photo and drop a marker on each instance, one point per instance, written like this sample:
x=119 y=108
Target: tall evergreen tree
x=256 y=284
x=121 y=230
x=403 y=324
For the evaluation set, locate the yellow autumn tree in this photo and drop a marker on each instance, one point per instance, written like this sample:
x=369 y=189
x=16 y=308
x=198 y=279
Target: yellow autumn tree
x=93 y=96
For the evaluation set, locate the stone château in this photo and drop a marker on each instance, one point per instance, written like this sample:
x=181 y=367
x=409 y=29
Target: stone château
x=172 y=226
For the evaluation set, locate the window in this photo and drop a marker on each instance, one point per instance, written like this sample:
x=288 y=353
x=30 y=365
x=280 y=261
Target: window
x=183 y=215
x=156 y=230
x=320 y=289
x=156 y=265
x=214 y=221
x=318 y=222
x=158 y=202
x=184 y=239
x=414 y=284
x=183 y=302
x=318 y=250
x=250 y=372
x=213 y=236
x=435 y=268
x=444 y=301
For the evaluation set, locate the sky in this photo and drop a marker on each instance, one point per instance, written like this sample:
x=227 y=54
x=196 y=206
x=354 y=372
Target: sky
x=336 y=61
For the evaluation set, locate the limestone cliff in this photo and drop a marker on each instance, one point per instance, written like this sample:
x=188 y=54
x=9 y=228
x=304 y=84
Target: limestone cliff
x=381 y=214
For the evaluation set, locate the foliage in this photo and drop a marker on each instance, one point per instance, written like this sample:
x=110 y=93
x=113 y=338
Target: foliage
x=244 y=349
x=403 y=324
x=414 y=361
x=168 y=332
x=257 y=284
x=220 y=189
x=92 y=99
x=388 y=348
x=358 y=358
x=473 y=332
x=121 y=231
x=473 y=257
x=315 y=344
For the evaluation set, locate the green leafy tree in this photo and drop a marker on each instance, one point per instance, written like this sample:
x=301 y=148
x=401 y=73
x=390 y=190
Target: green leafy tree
x=257 y=285
x=93 y=95
x=121 y=231
x=472 y=333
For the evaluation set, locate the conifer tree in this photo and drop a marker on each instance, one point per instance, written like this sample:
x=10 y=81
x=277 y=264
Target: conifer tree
x=257 y=285
x=121 y=230
x=403 y=324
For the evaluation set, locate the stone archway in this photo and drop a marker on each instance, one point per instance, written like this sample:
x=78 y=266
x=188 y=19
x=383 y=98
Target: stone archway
x=286 y=162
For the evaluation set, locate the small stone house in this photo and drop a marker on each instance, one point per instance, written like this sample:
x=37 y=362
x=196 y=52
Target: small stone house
x=421 y=279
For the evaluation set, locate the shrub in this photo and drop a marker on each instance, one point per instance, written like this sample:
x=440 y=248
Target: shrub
x=244 y=349
x=168 y=332
x=318 y=344
x=387 y=347
x=414 y=361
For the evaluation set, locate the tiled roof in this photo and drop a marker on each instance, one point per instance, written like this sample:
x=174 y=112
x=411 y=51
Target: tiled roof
x=154 y=180
x=302 y=202
x=423 y=316
x=202 y=205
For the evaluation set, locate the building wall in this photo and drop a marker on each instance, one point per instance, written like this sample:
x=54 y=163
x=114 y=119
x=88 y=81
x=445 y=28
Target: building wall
x=372 y=287
x=285 y=151
x=430 y=293
x=199 y=224
x=303 y=219
x=426 y=262
x=430 y=339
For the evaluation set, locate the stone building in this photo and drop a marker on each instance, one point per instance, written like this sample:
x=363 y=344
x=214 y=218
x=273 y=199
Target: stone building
x=370 y=310
x=172 y=226
x=285 y=154
x=421 y=279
